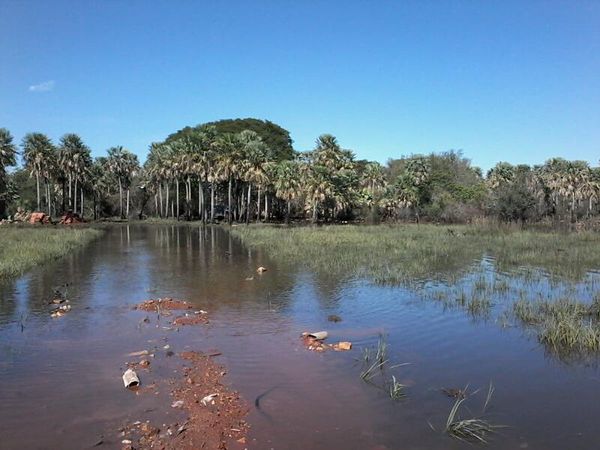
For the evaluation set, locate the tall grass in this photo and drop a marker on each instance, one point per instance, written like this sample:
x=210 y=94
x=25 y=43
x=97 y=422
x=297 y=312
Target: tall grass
x=23 y=247
x=567 y=327
x=399 y=253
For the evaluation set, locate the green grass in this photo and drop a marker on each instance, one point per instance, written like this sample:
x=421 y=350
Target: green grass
x=474 y=429
x=23 y=247
x=401 y=253
x=566 y=327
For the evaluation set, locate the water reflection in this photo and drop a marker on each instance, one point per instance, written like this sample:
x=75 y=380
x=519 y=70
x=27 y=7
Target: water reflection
x=70 y=366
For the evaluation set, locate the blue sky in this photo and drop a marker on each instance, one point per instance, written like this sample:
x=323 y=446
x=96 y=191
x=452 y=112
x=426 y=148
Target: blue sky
x=513 y=81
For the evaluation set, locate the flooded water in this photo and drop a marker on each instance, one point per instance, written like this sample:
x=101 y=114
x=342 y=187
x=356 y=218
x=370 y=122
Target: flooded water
x=60 y=379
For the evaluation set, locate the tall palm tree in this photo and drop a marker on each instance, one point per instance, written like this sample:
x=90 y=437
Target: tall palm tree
x=228 y=164
x=287 y=184
x=123 y=164
x=373 y=182
x=8 y=152
x=37 y=154
x=74 y=160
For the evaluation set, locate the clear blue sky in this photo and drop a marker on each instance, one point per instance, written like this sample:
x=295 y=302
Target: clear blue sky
x=514 y=81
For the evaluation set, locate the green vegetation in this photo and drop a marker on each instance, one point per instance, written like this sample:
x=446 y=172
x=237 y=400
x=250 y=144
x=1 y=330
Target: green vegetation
x=246 y=170
x=474 y=429
x=21 y=248
x=566 y=327
x=401 y=253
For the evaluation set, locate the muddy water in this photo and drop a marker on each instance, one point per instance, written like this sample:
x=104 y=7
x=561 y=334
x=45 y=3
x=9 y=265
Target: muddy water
x=60 y=384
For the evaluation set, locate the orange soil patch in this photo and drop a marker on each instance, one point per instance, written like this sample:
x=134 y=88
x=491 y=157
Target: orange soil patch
x=216 y=423
x=163 y=304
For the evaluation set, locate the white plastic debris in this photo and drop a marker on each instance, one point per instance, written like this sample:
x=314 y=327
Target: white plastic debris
x=130 y=379
x=208 y=399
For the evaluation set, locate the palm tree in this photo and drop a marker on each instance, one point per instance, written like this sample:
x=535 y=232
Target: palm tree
x=131 y=167
x=255 y=167
x=228 y=164
x=124 y=165
x=372 y=181
x=8 y=152
x=74 y=160
x=501 y=173
x=37 y=154
x=287 y=184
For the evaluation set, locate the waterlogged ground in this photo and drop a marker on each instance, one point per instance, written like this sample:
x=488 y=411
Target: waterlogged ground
x=61 y=383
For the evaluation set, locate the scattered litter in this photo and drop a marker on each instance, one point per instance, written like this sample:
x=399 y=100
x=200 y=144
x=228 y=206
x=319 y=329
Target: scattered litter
x=334 y=318
x=318 y=335
x=126 y=442
x=60 y=311
x=342 y=346
x=314 y=341
x=249 y=278
x=130 y=379
x=261 y=269
x=140 y=353
x=177 y=404
x=208 y=399
x=167 y=347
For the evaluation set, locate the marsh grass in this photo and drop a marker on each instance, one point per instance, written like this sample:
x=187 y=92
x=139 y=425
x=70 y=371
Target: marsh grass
x=396 y=390
x=400 y=253
x=473 y=429
x=376 y=364
x=567 y=327
x=22 y=247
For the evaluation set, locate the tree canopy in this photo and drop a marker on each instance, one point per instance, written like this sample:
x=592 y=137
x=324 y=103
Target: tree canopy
x=276 y=138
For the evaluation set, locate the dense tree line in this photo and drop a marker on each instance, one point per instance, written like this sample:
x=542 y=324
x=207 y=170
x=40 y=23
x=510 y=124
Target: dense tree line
x=224 y=171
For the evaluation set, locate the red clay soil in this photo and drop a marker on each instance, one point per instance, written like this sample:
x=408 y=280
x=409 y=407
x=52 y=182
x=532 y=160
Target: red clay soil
x=163 y=304
x=192 y=319
x=218 y=424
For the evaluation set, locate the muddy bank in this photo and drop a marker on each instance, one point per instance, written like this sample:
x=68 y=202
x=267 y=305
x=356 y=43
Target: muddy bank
x=212 y=414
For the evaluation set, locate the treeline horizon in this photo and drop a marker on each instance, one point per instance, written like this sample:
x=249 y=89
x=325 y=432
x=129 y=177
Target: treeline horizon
x=246 y=170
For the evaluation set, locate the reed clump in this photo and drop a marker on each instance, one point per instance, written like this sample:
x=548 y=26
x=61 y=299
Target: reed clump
x=565 y=326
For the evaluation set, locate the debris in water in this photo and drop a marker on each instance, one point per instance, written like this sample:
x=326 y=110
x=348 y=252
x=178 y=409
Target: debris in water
x=261 y=269
x=177 y=404
x=334 y=318
x=455 y=392
x=249 y=278
x=130 y=379
x=318 y=335
x=140 y=353
x=342 y=346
